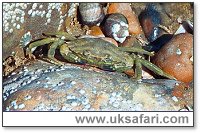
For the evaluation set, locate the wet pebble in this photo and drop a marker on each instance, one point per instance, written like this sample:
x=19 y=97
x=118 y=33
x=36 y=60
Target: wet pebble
x=28 y=97
x=111 y=40
x=96 y=31
x=21 y=106
x=175 y=57
x=150 y=19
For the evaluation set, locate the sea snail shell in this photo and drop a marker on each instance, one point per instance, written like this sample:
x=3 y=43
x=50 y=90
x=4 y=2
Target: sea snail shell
x=116 y=26
x=91 y=13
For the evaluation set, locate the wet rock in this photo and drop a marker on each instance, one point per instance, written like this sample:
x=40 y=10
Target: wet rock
x=138 y=7
x=158 y=43
x=110 y=40
x=131 y=41
x=42 y=86
x=22 y=18
x=150 y=19
x=170 y=14
x=13 y=62
x=176 y=57
x=96 y=31
x=184 y=94
x=173 y=12
x=72 y=24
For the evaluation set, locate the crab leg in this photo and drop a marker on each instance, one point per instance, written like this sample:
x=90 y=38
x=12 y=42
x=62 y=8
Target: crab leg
x=35 y=44
x=138 y=69
x=138 y=50
x=154 y=68
x=40 y=43
x=51 y=52
x=60 y=34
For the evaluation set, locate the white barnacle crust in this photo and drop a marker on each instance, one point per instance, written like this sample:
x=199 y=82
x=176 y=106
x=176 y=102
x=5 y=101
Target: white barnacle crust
x=48 y=20
x=15 y=107
x=74 y=104
x=178 y=52
x=177 y=84
x=14 y=24
x=87 y=106
x=46 y=86
x=21 y=106
x=48 y=15
x=34 y=6
x=85 y=101
x=13 y=103
x=27 y=97
x=11 y=31
x=115 y=104
x=115 y=28
x=126 y=33
x=47 y=78
x=82 y=91
x=30 y=12
x=191 y=58
x=123 y=24
x=61 y=83
x=63 y=37
x=73 y=83
x=61 y=21
x=178 y=64
x=174 y=98
x=121 y=40
x=33 y=14
x=72 y=9
x=114 y=94
x=18 y=26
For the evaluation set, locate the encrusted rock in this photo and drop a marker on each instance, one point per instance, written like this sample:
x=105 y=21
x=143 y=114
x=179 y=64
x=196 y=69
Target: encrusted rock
x=45 y=87
x=33 y=18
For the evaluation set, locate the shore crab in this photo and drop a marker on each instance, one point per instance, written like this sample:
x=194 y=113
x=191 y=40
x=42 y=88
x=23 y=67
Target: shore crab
x=96 y=52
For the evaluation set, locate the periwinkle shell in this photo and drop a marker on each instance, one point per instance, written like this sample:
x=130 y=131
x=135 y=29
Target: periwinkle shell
x=91 y=13
x=116 y=26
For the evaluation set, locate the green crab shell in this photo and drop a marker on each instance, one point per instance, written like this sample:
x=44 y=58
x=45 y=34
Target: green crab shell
x=97 y=52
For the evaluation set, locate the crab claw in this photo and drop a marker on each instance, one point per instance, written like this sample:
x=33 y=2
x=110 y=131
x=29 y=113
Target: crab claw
x=29 y=55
